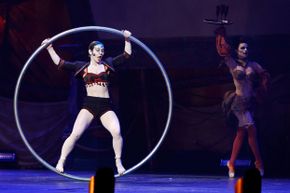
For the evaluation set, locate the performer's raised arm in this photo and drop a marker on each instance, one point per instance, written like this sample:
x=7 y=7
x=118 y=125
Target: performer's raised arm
x=223 y=48
x=54 y=56
x=114 y=61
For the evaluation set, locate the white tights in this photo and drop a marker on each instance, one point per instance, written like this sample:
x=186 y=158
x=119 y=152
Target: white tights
x=110 y=122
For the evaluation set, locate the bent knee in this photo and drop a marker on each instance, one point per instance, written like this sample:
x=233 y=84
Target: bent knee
x=116 y=133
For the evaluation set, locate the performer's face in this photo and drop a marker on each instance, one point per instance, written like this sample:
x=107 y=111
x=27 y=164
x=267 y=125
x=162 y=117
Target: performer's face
x=242 y=51
x=98 y=52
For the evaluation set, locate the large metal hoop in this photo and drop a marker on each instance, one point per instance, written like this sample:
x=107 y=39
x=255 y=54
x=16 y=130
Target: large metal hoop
x=83 y=29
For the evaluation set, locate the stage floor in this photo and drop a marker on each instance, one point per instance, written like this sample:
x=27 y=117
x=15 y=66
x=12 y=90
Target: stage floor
x=44 y=181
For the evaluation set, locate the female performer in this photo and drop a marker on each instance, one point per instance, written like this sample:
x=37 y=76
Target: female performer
x=250 y=79
x=97 y=104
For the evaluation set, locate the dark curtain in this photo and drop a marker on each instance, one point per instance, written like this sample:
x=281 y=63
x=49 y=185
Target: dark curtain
x=43 y=125
x=27 y=24
x=43 y=106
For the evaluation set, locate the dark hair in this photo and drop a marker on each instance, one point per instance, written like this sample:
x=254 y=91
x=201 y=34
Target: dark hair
x=238 y=40
x=94 y=43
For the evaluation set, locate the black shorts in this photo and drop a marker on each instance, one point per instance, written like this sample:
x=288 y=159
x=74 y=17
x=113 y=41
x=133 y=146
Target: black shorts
x=97 y=106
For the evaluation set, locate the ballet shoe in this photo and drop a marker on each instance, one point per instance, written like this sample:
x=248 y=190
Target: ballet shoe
x=261 y=170
x=231 y=168
x=59 y=166
x=259 y=166
x=121 y=170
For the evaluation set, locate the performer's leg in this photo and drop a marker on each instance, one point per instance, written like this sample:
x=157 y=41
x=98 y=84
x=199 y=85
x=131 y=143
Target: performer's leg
x=253 y=142
x=235 y=151
x=111 y=123
x=83 y=120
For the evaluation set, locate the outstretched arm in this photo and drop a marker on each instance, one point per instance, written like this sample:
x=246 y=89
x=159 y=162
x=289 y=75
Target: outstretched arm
x=223 y=48
x=54 y=56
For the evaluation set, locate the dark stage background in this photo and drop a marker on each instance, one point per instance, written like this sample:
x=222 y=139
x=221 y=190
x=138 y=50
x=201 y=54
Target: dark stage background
x=198 y=137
